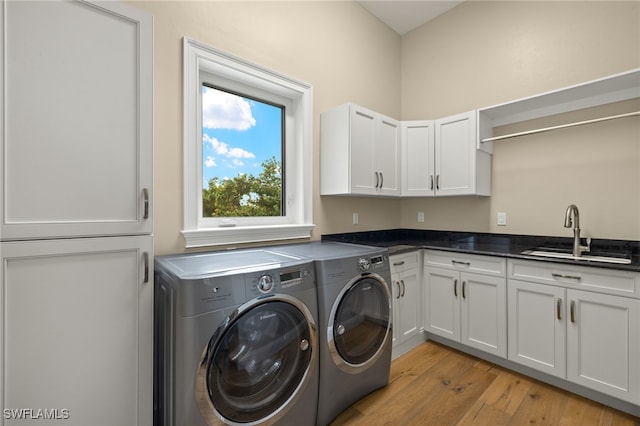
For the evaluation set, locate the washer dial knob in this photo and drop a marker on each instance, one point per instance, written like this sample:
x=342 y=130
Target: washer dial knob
x=363 y=264
x=265 y=283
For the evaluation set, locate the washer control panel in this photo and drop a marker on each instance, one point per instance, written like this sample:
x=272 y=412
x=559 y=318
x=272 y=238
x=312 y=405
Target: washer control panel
x=281 y=280
x=265 y=283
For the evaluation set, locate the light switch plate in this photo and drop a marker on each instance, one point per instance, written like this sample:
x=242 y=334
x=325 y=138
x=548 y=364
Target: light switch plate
x=501 y=219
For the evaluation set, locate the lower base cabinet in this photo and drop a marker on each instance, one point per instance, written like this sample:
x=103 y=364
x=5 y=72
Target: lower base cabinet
x=537 y=329
x=406 y=292
x=465 y=300
x=603 y=343
x=77 y=329
x=588 y=338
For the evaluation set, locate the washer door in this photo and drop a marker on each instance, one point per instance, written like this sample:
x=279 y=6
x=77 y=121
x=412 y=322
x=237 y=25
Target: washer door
x=257 y=363
x=360 y=323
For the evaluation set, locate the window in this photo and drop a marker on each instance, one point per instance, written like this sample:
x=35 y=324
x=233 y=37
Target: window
x=242 y=146
x=247 y=148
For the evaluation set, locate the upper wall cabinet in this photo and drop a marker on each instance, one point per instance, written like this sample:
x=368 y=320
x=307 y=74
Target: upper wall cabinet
x=439 y=158
x=417 y=167
x=359 y=152
x=76 y=134
x=461 y=169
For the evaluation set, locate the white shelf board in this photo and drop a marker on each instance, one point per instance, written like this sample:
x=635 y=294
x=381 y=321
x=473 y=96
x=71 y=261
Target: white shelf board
x=615 y=88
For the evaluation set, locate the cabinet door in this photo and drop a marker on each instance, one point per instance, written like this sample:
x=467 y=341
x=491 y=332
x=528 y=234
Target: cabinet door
x=388 y=151
x=363 y=151
x=484 y=313
x=537 y=318
x=396 y=292
x=77 y=328
x=442 y=294
x=417 y=150
x=603 y=343
x=406 y=290
x=76 y=154
x=409 y=304
x=455 y=154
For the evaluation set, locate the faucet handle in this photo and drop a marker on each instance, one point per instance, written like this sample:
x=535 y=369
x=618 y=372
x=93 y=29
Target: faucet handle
x=588 y=248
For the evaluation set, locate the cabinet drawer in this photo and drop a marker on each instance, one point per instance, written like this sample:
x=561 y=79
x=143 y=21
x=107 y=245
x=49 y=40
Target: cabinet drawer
x=404 y=261
x=487 y=265
x=581 y=277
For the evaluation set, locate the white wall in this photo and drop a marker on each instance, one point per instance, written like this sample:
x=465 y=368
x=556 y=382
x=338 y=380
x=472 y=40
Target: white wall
x=476 y=55
x=338 y=47
x=484 y=53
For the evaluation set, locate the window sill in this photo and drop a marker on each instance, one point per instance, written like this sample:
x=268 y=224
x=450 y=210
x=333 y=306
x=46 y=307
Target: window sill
x=245 y=234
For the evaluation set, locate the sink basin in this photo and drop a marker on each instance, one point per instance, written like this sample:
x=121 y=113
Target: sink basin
x=591 y=257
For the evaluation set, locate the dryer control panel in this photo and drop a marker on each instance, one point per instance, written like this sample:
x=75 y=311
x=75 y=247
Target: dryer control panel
x=373 y=262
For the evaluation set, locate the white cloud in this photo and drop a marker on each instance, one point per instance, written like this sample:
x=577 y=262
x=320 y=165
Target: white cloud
x=222 y=148
x=222 y=110
x=210 y=162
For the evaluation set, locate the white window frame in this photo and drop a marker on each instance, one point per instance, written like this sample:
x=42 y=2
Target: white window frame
x=202 y=61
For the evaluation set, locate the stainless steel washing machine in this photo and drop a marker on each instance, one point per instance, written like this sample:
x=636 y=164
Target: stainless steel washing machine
x=355 y=321
x=236 y=339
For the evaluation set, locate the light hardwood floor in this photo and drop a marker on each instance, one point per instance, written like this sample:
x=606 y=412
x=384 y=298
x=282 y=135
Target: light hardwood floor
x=435 y=385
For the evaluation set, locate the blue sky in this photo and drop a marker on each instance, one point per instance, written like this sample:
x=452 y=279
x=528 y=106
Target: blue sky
x=238 y=135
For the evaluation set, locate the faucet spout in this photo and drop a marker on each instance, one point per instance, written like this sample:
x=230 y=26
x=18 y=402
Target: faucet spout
x=572 y=217
x=572 y=220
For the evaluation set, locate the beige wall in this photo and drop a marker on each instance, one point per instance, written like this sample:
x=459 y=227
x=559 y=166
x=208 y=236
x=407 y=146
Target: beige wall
x=476 y=55
x=338 y=47
x=484 y=53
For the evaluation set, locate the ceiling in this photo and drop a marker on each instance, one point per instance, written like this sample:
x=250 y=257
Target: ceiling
x=404 y=16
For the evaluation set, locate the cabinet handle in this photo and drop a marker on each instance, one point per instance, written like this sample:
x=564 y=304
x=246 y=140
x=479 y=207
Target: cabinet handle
x=398 y=263
x=570 y=277
x=145 y=259
x=459 y=262
x=381 y=180
x=573 y=309
x=145 y=198
x=398 y=283
x=437 y=181
x=464 y=296
x=559 y=309
x=431 y=184
x=455 y=288
x=377 y=180
x=403 y=287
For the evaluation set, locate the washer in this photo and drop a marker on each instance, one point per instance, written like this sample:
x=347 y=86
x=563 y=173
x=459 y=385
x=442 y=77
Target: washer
x=354 y=308
x=236 y=339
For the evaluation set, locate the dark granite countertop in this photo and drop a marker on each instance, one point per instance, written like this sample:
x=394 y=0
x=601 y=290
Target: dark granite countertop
x=504 y=245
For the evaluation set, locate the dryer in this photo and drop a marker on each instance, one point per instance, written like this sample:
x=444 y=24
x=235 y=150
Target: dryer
x=235 y=339
x=355 y=321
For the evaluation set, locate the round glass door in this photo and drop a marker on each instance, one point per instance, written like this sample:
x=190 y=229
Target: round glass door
x=362 y=321
x=259 y=362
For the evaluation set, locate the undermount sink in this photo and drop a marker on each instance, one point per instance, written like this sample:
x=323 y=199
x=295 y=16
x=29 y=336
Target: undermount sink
x=566 y=254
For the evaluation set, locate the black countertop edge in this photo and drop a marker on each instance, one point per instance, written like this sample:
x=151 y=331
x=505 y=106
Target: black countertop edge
x=504 y=245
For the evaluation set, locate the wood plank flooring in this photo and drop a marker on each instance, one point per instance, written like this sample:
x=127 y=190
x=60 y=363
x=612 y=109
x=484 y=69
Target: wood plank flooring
x=436 y=385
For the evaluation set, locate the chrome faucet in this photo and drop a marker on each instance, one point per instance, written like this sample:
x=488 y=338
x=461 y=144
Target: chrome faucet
x=572 y=219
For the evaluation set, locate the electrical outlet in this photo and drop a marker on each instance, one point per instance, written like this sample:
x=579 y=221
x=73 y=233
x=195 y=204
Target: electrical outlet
x=420 y=216
x=501 y=219
x=355 y=218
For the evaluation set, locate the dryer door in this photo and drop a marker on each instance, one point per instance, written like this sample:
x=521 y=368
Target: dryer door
x=360 y=324
x=258 y=362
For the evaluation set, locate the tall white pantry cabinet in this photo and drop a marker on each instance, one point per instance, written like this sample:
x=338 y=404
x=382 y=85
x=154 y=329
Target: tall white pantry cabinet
x=76 y=289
